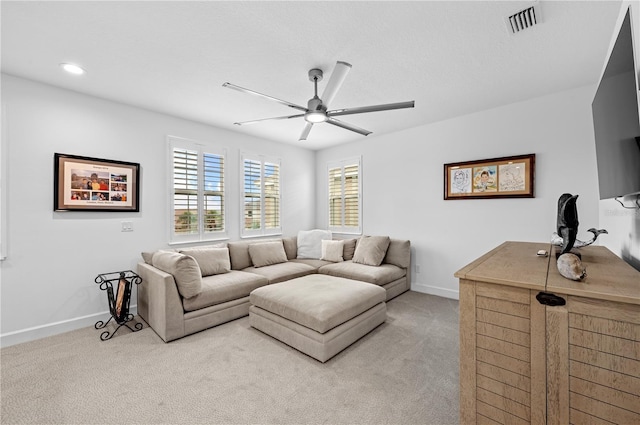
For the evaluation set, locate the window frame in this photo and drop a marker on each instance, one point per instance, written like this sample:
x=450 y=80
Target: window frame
x=201 y=148
x=263 y=160
x=343 y=228
x=4 y=173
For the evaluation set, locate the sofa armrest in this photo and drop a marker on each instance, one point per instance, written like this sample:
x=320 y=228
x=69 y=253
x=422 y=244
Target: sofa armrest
x=159 y=302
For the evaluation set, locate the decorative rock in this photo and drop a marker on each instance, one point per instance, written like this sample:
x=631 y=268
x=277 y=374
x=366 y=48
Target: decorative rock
x=570 y=266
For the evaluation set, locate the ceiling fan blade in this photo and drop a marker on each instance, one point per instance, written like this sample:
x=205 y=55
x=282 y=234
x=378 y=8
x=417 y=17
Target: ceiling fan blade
x=269 y=119
x=348 y=126
x=373 y=108
x=255 y=93
x=305 y=131
x=337 y=78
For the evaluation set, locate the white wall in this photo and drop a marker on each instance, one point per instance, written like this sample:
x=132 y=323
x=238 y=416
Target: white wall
x=53 y=257
x=623 y=224
x=403 y=182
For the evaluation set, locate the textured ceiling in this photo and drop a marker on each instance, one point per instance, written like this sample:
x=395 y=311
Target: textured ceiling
x=452 y=58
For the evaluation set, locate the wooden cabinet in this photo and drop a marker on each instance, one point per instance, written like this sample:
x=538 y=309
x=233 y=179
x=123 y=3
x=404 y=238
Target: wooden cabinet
x=522 y=362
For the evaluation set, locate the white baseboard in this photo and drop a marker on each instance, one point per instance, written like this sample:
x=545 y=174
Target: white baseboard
x=50 y=329
x=435 y=290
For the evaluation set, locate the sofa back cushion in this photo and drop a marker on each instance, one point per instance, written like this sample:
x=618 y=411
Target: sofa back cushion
x=147 y=256
x=290 y=247
x=349 y=249
x=267 y=253
x=185 y=271
x=210 y=260
x=239 y=252
x=399 y=253
x=371 y=250
x=239 y=255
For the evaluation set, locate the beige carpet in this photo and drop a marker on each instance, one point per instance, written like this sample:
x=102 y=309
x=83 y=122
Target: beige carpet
x=404 y=372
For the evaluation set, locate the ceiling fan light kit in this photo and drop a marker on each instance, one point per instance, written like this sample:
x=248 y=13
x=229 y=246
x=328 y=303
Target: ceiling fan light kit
x=316 y=111
x=315 y=117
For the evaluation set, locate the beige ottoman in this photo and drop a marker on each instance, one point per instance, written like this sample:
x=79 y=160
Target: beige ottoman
x=317 y=314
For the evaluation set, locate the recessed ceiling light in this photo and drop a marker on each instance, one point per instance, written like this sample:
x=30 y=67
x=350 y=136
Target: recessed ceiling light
x=73 y=69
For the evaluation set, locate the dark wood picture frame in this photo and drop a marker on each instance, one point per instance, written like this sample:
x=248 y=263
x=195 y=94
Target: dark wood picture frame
x=506 y=177
x=81 y=183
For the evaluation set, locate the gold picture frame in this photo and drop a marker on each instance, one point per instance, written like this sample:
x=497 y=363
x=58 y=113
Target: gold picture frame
x=506 y=177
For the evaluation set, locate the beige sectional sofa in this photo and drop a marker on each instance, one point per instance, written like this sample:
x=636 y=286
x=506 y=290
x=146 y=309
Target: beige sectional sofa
x=191 y=289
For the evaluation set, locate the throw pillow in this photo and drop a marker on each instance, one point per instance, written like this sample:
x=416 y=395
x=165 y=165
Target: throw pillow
x=349 y=249
x=185 y=271
x=310 y=243
x=210 y=260
x=267 y=253
x=332 y=251
x=371 y=250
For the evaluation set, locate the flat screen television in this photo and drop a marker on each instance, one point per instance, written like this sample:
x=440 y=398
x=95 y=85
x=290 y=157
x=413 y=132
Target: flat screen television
x=616 y=120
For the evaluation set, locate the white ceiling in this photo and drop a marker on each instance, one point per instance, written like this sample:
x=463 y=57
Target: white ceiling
x=452 y=58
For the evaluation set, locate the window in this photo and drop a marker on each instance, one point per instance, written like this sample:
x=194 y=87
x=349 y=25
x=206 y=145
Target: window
x=345 y=200
x=197 y=184
x=260 y=197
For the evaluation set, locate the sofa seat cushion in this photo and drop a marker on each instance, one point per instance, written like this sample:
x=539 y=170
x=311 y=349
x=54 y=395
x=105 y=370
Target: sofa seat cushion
x=378 y=275
x=284 y=271
x=225 y=287
x=316 y=264
x=318 y=302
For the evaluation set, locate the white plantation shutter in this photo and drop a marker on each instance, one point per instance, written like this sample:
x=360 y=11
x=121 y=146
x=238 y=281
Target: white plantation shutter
x=261 y=196
x=198 y=204
x=185 y=191
x=271 y=196
x=345 y=196
x=213 y=166
x=335 y=197
x=351 y=196
x=252 y=195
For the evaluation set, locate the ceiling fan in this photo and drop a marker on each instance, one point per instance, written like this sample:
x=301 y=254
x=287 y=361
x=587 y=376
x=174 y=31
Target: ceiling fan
x=316 y=111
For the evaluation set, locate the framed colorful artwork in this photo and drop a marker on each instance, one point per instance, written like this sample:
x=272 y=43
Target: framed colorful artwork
x=507 y=177
x=81 y=183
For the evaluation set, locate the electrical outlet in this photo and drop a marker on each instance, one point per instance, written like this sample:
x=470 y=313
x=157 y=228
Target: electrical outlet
x=417 y=268
x=127 y=226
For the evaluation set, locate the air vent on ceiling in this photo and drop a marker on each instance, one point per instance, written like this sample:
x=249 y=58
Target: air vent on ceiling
x=522 y=20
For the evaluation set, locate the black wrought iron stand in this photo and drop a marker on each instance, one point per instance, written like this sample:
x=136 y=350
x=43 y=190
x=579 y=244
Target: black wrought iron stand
x=118 y=303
